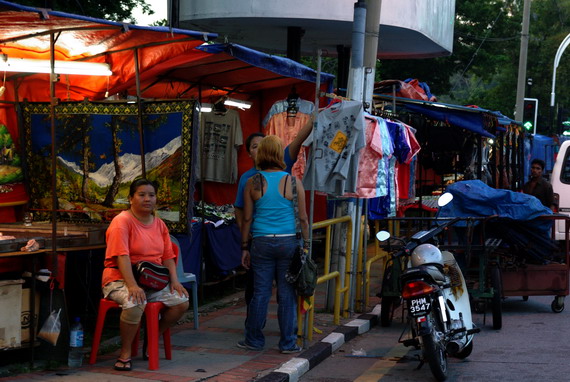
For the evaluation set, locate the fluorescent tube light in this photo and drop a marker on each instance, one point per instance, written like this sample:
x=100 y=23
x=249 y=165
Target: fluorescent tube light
x=237 y=103
x=29 y=65
x=206 y=108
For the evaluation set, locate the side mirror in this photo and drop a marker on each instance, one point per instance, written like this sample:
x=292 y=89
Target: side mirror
x=444 y=199
x=382 y=235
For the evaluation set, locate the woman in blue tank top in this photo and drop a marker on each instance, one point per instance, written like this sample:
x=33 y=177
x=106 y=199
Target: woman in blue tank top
x=274 y=242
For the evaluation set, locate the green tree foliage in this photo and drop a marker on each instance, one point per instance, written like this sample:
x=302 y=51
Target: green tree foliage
x=114 y=10
x=486 y=37
x=483 y=68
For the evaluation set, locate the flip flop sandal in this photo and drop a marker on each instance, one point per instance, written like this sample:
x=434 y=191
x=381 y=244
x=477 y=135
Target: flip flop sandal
x=125 y=364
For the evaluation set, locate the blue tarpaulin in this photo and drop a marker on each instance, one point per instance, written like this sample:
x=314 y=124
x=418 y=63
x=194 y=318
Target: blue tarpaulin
x=465 y=119
x=544 y=148
x=473 y=198
x=514 y=218
x=277 y=64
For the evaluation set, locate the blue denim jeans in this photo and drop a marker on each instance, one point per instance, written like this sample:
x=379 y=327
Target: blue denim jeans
x=270 y=258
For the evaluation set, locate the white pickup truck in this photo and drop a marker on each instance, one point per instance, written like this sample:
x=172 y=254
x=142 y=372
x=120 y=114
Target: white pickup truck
x=560 y=180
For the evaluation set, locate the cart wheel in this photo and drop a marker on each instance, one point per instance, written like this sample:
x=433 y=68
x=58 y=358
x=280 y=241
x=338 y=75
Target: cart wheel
x=496 y=302
x=525 y=298
x=557 y=305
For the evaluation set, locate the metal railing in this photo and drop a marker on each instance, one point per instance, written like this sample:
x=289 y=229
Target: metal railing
x=328 y=275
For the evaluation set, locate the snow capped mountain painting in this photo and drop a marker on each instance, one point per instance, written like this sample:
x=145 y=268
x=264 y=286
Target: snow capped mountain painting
x=131 y=164
x=98 y=149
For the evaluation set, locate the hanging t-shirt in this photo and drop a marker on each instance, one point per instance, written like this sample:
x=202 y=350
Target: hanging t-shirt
x=220 y=137
x=337 y=140
x=303 y=106
x=406 y=177
x=387 y=151
x=369 y=159
x=287 y=128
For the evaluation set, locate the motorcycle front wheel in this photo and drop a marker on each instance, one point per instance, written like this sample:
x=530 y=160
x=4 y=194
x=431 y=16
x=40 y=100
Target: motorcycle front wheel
x=387 y=304
x=435 y=355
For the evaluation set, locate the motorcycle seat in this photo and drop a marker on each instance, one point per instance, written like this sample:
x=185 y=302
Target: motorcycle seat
x=433 y=271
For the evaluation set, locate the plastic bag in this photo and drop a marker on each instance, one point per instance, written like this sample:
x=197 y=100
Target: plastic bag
x=51 y=328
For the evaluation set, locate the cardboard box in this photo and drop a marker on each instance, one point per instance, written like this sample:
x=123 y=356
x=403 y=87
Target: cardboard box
x=10 y=304
x=26 y=314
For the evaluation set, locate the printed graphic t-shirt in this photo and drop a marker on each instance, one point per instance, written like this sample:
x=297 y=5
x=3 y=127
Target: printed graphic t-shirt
x=339 y=136
x=220 y=137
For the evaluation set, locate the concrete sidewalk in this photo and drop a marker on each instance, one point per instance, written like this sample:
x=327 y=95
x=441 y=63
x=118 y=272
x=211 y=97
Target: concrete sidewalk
x=211 y=354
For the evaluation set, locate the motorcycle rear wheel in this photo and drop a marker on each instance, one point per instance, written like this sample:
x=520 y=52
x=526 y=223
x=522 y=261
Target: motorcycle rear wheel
x=435 y=355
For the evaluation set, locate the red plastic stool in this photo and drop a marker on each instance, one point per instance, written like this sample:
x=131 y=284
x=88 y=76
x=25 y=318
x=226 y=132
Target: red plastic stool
x=152 y=312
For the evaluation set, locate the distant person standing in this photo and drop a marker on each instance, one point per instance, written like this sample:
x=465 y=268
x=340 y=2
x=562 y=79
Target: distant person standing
x=538 y=186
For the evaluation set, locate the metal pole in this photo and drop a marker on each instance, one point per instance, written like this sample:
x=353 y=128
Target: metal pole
x=139 y=111
x=355 y=91
x=356 y=71
x=312 y=175
x=372 y=28
x=522 y=62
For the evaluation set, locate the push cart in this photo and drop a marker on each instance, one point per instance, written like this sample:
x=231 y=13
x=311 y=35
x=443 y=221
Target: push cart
x=491 y=268
x=549 y=279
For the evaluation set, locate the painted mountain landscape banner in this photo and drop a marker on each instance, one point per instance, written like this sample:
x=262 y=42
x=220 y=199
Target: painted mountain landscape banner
x=98 y=154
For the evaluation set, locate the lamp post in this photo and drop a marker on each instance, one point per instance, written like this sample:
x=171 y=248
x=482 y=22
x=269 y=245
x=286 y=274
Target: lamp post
x=563 y=45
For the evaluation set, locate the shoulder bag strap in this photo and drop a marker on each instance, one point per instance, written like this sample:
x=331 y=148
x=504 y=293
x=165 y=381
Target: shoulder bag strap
x=296 y=207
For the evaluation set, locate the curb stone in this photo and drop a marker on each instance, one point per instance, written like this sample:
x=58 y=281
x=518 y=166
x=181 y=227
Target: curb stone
x=293 y=369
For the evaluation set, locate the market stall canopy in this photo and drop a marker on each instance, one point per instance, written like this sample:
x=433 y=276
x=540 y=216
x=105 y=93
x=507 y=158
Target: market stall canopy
x=219 y=69
x=26 y=32
x=478 y=120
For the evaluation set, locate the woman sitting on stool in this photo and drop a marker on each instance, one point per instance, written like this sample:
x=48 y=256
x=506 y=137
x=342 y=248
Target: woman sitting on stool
x=136 y=235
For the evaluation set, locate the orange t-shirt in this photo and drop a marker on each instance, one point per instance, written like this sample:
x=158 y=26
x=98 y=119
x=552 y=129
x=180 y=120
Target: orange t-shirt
x=128 y=236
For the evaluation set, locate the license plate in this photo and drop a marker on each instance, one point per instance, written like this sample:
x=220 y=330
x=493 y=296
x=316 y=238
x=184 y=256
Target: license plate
x=419 y=306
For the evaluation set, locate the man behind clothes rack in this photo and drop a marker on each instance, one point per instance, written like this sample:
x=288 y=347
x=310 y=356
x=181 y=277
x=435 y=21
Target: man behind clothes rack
x=539 y=187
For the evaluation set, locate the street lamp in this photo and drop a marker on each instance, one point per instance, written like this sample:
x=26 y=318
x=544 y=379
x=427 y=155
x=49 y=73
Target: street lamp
x=563 y=45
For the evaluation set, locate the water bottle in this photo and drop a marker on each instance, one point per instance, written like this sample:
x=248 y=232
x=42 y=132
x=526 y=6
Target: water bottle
x=75 y=358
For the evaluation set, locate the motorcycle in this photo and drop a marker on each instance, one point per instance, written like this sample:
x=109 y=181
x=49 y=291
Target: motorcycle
x=435 y=296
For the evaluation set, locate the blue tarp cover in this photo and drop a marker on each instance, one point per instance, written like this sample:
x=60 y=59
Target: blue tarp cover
x=473 y=198
x=544 y=147
x=277 y=64
x=465 y=119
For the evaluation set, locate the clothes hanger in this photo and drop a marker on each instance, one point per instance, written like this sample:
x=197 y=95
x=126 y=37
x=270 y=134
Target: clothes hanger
x=292 y=99
x=219 y=107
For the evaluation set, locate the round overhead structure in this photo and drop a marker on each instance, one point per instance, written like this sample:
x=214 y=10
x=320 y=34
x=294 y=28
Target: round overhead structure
x=408 y=28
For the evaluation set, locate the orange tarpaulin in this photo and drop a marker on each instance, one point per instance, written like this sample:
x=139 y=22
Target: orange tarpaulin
x=170 y=67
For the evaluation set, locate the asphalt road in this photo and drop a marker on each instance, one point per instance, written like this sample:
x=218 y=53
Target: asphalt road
x=533 y=345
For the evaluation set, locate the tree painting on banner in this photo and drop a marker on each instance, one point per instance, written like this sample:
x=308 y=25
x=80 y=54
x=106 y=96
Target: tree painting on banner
x=98 y=155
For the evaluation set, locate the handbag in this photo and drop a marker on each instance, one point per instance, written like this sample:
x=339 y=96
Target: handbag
x=150 y=275
x=302 y=271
